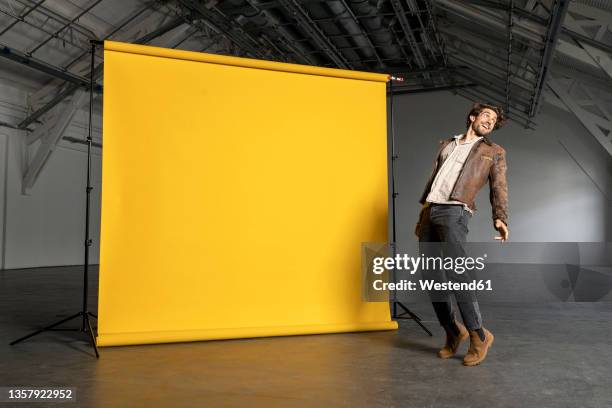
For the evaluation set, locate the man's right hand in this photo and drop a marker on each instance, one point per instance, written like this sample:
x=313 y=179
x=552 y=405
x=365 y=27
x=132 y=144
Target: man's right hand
x=502 y=228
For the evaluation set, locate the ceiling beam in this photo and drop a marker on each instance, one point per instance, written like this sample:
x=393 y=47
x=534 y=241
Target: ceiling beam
x=228 y=28
x=599 y=127
x=532 y=34
x=52 y=138
x=555 y=23
x=509 y=53
x=599 y=57
x=408 y=34
x=41 y=66
x=71 y=88
x=475 y=97
x=487 y=67
x=433 y=89
x=314 y=33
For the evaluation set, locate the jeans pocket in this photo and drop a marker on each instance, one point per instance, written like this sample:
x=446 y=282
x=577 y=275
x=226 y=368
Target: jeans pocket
x=464 y=219
x=466 y=213
x=420 y=220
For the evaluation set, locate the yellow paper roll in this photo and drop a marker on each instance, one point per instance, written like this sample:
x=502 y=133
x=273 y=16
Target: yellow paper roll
x=235 y=196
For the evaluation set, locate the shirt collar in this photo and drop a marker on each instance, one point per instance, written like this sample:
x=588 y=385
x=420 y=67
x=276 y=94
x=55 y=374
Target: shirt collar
x=457 y=137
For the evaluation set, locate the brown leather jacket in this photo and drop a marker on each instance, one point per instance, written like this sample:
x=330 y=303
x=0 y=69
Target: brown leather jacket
x=485 y=162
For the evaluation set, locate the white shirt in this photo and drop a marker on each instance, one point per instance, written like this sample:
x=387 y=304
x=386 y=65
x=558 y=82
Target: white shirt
x=453 y=157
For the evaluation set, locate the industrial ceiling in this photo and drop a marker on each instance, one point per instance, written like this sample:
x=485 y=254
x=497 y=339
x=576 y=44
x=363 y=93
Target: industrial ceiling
x=514 y=53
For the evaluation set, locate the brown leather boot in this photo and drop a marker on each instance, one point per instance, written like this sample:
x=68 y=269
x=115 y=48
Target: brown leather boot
x=478 y=348
x=453 y=341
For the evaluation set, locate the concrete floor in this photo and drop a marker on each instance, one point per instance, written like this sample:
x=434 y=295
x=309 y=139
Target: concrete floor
x=549 y=355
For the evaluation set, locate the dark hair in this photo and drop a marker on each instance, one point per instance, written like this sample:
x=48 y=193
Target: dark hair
x=478 y=107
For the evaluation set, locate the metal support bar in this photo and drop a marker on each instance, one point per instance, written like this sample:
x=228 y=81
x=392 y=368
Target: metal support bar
x=22 y=17
x=433 y=89
x=182 y=37
x=314 y=32
x=587 y=40
x=363 y=32
x=493 y=95
x=49 y=143
x=38 y=65
x=493 y=80
x=72 y=87
x=495 y=83
x=564 y=48
x=59 y=72
x=471 y=96
x=50 y=14
x=406 y=71
x=8 y=125
x=491 y=86
x=427 y=43
x=220 y=24
x=285 y=37
x=509 y=65
x=475 y=15
x=552 y=34
x=601 y=58
x=41 y=130
x=39 y=28
x=69 y=90
x=169 y=26
x=124 y=23
x=438 y=38
x=81 y=141
x=407 y=29
x=488 y=69
x=472 y=46
x=55 y=34
x=593 y=123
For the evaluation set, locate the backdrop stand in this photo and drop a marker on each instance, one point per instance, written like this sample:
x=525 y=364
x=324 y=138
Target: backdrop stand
x=406 y=312
x=84 y=313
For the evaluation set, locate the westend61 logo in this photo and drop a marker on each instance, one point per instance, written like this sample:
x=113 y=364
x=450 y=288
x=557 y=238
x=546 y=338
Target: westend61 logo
x=426 y=263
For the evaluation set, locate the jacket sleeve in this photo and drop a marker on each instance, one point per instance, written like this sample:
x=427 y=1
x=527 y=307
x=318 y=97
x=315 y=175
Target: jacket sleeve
x=498 y=188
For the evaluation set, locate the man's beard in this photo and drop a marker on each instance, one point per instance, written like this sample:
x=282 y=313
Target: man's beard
x=478 y=132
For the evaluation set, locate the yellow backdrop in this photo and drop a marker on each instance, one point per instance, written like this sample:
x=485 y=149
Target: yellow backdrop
x=235 y=196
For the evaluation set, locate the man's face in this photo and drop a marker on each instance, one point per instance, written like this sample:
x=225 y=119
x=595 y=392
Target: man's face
x=484 y=123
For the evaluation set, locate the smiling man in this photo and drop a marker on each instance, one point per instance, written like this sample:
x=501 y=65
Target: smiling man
x=463 y=165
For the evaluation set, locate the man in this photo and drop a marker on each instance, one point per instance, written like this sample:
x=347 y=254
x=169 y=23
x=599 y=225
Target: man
x=464 y=163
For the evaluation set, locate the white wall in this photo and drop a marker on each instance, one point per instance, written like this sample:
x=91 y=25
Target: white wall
x=551 y=196
x=45 y=227
x=4 y=139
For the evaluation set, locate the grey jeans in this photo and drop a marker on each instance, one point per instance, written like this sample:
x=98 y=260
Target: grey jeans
x=443 y=233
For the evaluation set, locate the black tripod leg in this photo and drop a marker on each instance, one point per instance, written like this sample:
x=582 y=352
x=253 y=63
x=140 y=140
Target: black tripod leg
x=409 y=312
x=92 y=338
x=45 y=329
x=418 y=321
x=414 y=317
x=92 y=315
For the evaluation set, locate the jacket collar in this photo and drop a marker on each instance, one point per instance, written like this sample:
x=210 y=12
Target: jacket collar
x=484 y=139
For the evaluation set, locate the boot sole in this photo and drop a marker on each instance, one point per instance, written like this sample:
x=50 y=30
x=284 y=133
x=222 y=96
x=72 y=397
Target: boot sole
x=475 y=363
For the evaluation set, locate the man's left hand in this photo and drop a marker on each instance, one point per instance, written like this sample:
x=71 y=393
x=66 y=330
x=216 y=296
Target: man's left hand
x=501 y=227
